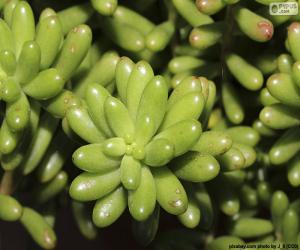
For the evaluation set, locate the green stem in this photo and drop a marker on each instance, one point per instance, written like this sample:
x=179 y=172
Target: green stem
x=172 y=14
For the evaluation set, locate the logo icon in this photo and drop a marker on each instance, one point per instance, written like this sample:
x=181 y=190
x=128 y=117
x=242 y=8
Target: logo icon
x=283 y=9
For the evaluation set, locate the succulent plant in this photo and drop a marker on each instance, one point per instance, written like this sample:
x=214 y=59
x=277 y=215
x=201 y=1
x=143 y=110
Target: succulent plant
x=132 y=140
x=36 y=62
x=205 y=126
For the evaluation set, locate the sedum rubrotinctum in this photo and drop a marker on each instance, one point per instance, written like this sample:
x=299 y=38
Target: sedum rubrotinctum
x=35 y=63
x=134 y=136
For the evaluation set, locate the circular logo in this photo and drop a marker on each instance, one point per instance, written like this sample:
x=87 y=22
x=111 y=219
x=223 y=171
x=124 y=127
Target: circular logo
x=274 y=8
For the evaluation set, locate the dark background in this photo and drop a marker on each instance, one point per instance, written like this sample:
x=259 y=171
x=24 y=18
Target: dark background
x=14 y=237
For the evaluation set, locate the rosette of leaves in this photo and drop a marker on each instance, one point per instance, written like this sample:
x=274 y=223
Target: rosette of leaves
x=133 y=137
x=36 y=62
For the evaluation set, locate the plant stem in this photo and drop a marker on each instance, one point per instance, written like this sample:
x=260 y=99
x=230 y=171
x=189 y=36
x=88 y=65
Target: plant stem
x=7 y=186
x=227 y=41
